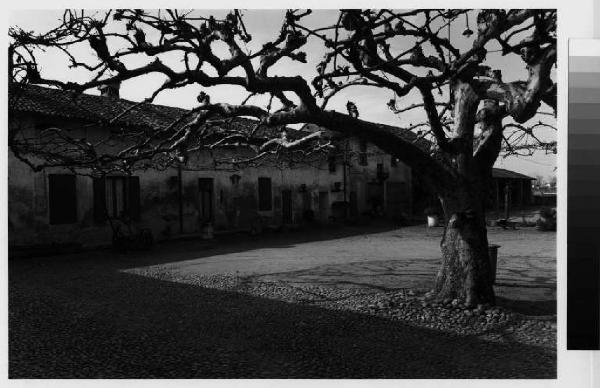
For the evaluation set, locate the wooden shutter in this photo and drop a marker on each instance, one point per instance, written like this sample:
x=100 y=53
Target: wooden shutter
x=265 y=200
x=133 y=197
x=62 y=198
x=99 y=185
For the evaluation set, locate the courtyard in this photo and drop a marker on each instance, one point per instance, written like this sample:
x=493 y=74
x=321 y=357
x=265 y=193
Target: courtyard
x=341 y=302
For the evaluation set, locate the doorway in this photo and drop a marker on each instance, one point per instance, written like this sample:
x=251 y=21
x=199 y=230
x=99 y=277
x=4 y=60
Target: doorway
x=205 y=200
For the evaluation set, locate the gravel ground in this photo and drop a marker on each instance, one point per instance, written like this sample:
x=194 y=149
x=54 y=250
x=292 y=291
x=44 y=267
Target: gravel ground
x=86 y=318
x=409 y=306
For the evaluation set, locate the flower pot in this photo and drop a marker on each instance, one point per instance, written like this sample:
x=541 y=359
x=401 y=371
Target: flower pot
x=432 y=221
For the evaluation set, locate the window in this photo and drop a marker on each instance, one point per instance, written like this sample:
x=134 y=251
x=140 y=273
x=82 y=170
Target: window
x=331 y=163
x=62 y=199
x=362 y=154
x=265 y=200
x=116 y=196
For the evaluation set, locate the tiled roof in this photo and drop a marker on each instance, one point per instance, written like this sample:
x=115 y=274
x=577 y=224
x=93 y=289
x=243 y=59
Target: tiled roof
x=405 y=134
x=412 y=137
x=507 y=174
x=99 y=109
x=63 y=104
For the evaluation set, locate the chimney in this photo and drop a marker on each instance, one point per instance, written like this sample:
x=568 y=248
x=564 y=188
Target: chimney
x=110 y=90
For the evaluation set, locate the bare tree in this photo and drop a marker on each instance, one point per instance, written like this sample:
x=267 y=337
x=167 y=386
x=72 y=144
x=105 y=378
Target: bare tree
x=472 y=115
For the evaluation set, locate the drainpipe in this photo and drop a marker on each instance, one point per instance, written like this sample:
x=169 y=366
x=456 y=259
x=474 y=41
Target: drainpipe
x=180 y=197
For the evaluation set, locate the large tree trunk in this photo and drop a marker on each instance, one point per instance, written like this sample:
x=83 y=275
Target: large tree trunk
x=465 y=273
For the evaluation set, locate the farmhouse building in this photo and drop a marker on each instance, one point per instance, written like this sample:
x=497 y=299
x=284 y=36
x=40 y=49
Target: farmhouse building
x=56 y=206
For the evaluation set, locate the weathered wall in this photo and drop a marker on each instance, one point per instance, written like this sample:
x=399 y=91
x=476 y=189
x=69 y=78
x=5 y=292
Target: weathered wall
x=235 y=204
x=363 y=178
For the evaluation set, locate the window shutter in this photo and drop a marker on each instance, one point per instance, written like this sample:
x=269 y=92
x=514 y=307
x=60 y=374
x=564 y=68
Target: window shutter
x=62 y=198
x=265 y=200
x=133 y=200
x=99 y=200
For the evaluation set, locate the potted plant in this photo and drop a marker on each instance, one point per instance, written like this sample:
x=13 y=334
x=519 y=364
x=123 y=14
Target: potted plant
x=433 y=218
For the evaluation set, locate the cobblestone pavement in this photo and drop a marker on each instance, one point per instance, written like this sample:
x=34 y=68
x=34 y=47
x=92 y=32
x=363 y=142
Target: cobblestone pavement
x=324 y=305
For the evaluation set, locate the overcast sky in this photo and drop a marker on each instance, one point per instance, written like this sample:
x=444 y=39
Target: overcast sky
x=264 y=25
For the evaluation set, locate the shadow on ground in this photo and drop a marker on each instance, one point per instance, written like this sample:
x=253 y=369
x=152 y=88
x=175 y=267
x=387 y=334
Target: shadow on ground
x=193 y=246
x=85 y=319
